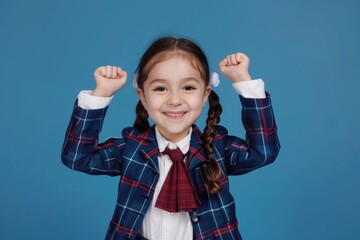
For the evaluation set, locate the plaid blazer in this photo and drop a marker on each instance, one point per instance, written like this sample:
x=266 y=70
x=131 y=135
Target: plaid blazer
x=133 y=157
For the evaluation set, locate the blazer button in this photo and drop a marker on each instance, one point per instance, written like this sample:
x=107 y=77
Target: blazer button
x=195 y=218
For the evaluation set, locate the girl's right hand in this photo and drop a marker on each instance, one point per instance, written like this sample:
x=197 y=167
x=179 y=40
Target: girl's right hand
x=109 y=79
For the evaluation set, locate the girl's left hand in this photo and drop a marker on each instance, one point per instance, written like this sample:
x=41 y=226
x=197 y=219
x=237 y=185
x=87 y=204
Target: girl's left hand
x=236 y=67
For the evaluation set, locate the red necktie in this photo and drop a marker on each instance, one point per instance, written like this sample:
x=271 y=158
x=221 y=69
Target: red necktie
x=177 y=193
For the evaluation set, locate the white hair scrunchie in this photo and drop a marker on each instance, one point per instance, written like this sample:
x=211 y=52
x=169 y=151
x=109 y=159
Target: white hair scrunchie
x=135 y=78
x=214 y=79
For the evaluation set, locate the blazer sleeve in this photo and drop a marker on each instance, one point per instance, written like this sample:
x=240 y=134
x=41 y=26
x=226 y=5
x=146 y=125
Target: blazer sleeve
x=81 y=150
x=261 y=146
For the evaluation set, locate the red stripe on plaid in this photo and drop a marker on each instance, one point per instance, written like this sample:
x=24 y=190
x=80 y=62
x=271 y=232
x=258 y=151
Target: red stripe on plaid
x=218 y=136
x=73 y=133
x=124 y=230
x=210 y=233
x=239 y=146
x=82 y=139
x=267 y=131
x=263 y=118
x=221 y=182
x=139 y=140
x=197 y=154
x=197 y=132
x=136 y=184
x=257 y=129
x=261 y=133
x=221 y=231
x=152 y=152
x=103 y=145
x=145 y=134
x=205 y=234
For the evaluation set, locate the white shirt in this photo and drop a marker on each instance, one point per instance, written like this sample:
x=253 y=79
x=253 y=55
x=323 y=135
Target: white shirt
x=159 y=224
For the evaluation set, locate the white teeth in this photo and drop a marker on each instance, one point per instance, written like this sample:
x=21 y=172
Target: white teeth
x=174 y=114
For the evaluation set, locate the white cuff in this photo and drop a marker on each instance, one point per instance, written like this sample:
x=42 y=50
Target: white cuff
x=251 y=89
x=88 y=101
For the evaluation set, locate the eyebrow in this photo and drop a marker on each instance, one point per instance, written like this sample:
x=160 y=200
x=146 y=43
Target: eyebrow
x=165 y=80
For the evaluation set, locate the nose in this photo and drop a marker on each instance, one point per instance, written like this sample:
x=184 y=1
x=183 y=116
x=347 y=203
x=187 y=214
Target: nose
x=175 y=98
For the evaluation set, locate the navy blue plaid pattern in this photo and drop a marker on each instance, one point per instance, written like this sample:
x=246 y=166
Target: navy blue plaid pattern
x=134 y=158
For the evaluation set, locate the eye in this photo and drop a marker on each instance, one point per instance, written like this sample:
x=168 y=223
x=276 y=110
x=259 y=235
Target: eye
x=189 y=88
x=159 y=89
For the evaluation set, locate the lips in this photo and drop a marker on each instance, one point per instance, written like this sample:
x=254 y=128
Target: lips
x=175 y=115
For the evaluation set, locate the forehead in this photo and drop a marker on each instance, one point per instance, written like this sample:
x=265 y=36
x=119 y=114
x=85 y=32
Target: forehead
x=166 y=55
x=175 y=66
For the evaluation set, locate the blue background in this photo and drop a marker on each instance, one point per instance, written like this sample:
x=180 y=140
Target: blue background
x=306 y=51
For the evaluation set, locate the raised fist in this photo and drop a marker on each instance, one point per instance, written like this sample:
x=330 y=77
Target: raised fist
x=109 y=79
x=235 y=67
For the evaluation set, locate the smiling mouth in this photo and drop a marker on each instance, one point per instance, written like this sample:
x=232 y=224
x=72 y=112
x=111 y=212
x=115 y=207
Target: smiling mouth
x=175 y=115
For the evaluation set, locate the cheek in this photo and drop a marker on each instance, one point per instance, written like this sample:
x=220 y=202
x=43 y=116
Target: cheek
x=153 y=104
x=200 y=106
x=197 y=102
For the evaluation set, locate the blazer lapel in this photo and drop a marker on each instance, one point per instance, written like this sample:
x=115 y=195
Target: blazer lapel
x=149 y=148
x=196 y=155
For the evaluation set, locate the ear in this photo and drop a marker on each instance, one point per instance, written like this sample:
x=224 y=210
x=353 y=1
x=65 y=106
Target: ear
x=206 y=94
x=141 y=94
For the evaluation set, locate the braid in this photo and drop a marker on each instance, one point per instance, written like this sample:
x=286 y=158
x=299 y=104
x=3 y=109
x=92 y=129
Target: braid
x=212 y=170
x=142 y=115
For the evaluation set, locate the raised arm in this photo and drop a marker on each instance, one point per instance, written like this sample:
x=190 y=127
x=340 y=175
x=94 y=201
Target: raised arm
x=81 y=150
x=261 y=145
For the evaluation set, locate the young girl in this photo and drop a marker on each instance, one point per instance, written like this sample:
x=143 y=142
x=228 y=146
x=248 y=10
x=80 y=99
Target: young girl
x=173 y=178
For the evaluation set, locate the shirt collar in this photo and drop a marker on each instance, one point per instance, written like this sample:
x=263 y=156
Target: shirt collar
x=183 y=144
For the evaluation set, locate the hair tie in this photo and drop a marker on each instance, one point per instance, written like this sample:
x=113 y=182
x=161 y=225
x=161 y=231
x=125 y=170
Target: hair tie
x=135 y=78
x=214 y=79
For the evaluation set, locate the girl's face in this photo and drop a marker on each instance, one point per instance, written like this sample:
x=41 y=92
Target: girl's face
x=173 y=95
